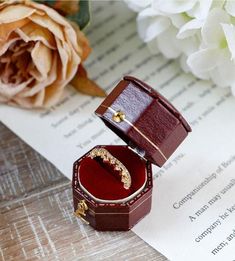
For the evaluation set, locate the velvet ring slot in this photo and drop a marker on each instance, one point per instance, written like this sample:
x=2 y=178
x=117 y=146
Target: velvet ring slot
x=111 y=164
x=103 y=184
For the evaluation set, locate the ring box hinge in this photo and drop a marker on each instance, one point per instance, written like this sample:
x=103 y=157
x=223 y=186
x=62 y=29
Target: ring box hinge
x=81 y=211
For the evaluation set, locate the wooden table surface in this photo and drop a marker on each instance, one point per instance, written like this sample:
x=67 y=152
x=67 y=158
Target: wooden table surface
x=37 y=221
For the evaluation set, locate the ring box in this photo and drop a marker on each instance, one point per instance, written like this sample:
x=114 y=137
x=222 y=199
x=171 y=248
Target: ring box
x=152 y=129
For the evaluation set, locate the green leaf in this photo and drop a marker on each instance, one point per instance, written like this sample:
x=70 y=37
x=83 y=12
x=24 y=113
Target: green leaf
x=82 y=17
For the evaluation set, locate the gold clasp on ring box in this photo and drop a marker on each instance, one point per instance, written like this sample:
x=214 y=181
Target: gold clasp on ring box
x=81 y=211
x=119 y=116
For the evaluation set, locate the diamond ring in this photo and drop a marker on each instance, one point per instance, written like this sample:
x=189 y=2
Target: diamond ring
x=107 y=157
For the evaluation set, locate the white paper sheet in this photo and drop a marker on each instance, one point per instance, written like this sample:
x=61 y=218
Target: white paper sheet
x=193 y=210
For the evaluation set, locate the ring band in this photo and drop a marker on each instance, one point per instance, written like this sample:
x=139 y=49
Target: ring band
x=106 y=156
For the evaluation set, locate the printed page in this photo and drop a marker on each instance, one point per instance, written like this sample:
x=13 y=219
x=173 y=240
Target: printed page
x=193 y=208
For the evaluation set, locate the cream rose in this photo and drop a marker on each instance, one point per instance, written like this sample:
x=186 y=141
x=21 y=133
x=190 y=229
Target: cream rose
x=39 y=53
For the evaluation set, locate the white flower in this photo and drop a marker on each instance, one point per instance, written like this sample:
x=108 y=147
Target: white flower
x=190 y=28
x=215 y=59
x=200 y=33
x=151 y=23
x=137 y=5
x=171 y=47
x=193 y=8
x=161 y=32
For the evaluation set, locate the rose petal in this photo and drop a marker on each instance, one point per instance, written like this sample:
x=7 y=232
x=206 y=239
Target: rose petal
x=63 y=58
x=52 y=42
x=5 y=45
x=7 y=29
x=53 y=94
x=11 y=14
x=58 y=19
x=40 y=85
x=4 y=99
x=42 y=58
x=39 y=98
x=34 y=32
x=9 y=90
x=48 y=23
x=53 y=14
x=83 y=47
x=22 y=102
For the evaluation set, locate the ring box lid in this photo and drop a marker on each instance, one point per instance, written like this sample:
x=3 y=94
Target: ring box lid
x=144 y=119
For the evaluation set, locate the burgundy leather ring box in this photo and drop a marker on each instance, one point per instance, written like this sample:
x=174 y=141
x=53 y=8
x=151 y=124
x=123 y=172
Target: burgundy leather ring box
x=152 y=129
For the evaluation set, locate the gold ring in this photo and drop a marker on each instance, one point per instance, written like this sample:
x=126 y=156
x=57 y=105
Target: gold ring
x=106 y=156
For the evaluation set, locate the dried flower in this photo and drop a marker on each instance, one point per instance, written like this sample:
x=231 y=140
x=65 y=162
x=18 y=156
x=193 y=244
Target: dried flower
x=40 y=52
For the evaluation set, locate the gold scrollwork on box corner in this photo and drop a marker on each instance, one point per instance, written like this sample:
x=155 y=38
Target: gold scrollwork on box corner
x=81 y=210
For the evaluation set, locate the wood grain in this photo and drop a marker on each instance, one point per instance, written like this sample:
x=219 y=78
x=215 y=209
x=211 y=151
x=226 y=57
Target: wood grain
x=37 y=221
x=23 y=171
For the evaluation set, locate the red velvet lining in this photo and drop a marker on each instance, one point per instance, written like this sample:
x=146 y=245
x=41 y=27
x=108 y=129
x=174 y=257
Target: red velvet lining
x=105 y=183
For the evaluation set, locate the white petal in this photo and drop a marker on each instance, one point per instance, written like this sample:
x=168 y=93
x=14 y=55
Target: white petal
x=173 y=6
x=218 y=4
x=137 y=5
x=168 y=44
x=183 y=63
x=189 y=45
x=153 y=47
x=203 y=61
x=201 y=9
x=151 y=24
x=229 y=32
x=212 y=32
x=233 y=88
x=224 y=73
x=178 y=20
x=189 y=28
x=230 y=7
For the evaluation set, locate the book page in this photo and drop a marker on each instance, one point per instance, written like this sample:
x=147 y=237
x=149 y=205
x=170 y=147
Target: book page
x=193 y=208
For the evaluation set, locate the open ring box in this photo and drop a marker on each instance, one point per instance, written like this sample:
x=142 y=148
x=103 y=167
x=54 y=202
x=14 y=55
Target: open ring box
x=153 y=129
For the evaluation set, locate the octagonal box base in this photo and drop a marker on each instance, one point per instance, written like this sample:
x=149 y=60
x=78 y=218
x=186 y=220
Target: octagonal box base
x=112 y=215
